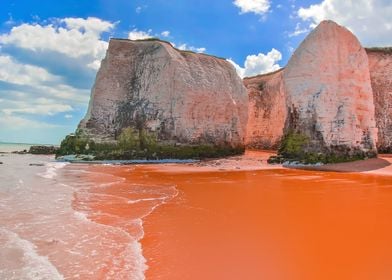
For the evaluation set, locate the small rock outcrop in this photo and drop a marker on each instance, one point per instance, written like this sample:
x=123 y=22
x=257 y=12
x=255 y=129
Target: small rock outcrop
x=267 y=110
x=329 y=95
x=43 y=150
x=183 y=97
x=380 y=66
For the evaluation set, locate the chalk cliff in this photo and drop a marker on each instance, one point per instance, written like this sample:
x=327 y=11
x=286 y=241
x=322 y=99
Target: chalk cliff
x=333 y=99
x=380 y=65
x=267 y=110
x=182 y=96
x=324 y=96
x=329 y=94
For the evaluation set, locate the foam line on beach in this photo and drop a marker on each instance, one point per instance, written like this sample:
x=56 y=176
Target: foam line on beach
x=51 y=169
x=35 y=266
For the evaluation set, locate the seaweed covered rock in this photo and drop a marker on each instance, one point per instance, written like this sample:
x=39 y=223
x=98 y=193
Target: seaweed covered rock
x=182 y=98
x=329 y=96
x=43 y=150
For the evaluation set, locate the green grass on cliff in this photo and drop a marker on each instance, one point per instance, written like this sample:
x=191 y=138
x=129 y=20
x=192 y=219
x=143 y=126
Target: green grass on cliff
x=294 y=148
x=293 y=145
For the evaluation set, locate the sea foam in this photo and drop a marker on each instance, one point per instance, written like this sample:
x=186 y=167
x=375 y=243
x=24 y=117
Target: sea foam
x=51 y=169
x=35 y=266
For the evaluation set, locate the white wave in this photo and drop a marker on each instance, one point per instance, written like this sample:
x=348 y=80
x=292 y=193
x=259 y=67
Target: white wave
x=81 y=216
x=134 y=201
x=138 y=266
x=31 y=266
x=130 y=264
x=51 y=169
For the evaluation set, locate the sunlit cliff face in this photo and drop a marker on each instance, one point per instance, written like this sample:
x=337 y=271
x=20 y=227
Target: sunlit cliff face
x=380 y=65
x=182 y=96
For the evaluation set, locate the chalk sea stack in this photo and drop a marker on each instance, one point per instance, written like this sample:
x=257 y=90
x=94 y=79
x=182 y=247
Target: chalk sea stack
x=336 y=95
x=180 y=98
x=183 y=96
x=329 y=95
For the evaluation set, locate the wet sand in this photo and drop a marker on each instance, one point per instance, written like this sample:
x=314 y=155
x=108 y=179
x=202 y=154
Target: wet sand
x=241 y=218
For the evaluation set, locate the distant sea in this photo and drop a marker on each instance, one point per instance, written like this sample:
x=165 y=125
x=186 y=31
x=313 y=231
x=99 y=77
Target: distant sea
x=11 y=147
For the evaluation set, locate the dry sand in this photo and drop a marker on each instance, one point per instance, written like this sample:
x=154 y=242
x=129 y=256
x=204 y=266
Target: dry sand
x=257 y=160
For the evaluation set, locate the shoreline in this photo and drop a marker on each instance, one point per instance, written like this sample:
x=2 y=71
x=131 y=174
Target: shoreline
x=257 y=160
x=251 y=160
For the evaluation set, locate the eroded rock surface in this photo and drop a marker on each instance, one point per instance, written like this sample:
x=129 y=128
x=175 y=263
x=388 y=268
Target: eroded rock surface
x=267 y=110
x=182 y=96
x=329 y=94
x=380 y=65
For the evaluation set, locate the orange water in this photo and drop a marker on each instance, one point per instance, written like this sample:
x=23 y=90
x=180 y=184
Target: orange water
x=171 y=222
x=276 y=224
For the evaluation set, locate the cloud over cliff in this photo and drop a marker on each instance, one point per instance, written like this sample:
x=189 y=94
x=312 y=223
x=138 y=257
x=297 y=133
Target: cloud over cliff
x=369 y=20
x=258 y=64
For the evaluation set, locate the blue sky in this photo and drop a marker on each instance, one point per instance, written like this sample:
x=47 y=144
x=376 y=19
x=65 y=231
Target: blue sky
x=50 y=51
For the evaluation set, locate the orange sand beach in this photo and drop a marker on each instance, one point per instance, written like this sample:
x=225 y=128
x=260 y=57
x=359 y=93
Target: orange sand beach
x=240 y=218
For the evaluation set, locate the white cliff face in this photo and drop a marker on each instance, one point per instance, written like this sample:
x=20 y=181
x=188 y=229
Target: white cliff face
x=267 y=110
x=182 y=96
x=329 y=94
x=380 y=64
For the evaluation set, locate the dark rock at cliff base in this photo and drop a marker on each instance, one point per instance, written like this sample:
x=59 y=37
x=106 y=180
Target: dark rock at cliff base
x=43 y=150
x=20 y=152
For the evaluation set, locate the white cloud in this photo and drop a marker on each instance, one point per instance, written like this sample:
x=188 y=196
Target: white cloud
x=138 y=10
x=299 y=30
x=39 y=109
x=10 y=20
x=139 y=35
x=68 y=116
x=40 y=83
x=73 y=37
x=136 y=34
x=259 y=7
x=186 y=47
x=165 y=33
x=48 y=69
x=10 y=122
x=258 y=64
x=13 y=72
x=370 y=20
x=90 y=25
